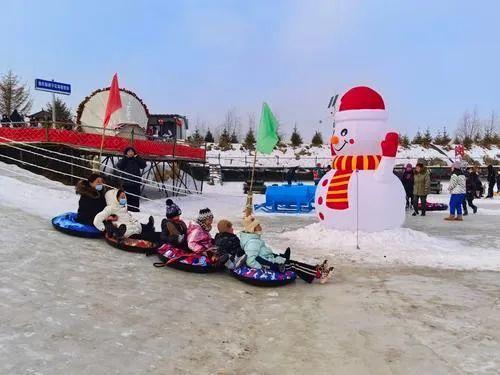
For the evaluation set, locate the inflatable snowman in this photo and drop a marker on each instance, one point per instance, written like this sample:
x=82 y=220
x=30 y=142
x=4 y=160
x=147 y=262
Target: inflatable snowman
x=361 y=191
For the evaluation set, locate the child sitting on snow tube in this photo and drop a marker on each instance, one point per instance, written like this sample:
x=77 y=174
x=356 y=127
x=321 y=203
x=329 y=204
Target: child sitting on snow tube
x=229 y=244
x=199 y=239
x=173 y=229
x=92 y=200
x=260 y=256
x=119 y=223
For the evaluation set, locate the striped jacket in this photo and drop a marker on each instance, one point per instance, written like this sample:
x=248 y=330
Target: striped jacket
x=457 y=184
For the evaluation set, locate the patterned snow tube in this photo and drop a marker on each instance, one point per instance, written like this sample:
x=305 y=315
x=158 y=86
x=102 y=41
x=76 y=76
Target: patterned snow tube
x=189 y=262
x=131 y=245
x=66 y=223
x=263 y=277
x=434 y=206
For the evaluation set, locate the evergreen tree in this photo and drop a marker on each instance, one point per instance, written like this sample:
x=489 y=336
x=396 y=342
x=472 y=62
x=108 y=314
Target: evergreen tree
x=249 y=142
x=196 y=139
x=446 y=137
x=225 y=140
x=427 y=138
x=417 y=140
x=404 y=141
x=209 y=138
x=14 y=95
x=63 y=113
x=317 y=139
x=234 y=137
x=295 y=139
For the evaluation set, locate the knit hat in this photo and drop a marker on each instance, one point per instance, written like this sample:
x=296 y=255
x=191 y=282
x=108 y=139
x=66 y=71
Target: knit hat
x=204 y=214
x=172 y=209
x=224 y=226
x=250 y=223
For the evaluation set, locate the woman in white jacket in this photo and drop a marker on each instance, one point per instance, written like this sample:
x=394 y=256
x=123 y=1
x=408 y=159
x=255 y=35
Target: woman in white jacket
x=457 y=190
x=122 y=222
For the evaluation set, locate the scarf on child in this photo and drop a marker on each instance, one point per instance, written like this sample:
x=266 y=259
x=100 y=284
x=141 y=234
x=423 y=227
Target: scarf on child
x=337 y=197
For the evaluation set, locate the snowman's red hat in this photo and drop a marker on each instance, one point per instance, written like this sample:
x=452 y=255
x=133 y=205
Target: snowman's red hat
x=361 y=103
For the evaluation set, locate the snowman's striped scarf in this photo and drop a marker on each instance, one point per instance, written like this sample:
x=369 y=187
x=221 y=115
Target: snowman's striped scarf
x=336 y=197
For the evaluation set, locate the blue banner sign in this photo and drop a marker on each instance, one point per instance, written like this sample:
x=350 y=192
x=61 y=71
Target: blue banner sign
x=52 y=86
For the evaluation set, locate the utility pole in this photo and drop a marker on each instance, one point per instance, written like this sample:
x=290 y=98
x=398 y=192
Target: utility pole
x=53 y=109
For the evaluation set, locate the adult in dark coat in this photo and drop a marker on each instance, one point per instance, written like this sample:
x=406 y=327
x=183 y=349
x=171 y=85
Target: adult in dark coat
x=92 y=200
x=491 y=181
x=471 y=188
x=132 y=164
x=291 y=175
x=408 y=180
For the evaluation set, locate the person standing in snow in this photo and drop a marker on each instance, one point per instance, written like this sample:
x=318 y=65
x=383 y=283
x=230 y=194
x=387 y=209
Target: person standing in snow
x=498 y=181
x=132 y=164
x=491 y=181
x=421 y=187
x=92 y=199
x=318 y=174
x=457 y=190
x=407 y=180
x=470 y=188
x=291 y=175
x=259 y=256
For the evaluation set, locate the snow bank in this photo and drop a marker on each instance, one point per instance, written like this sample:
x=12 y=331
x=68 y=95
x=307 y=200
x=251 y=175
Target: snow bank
x=307 y=156
x=399 y=246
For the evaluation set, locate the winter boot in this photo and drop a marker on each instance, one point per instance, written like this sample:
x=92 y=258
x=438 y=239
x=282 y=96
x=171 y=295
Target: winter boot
x=415 y=213
x=474 y=210
x=151 y=224
x=459 y=218
x=109 y=228
x=286 y=254
x=164 y=223
x=450 y=218
x=120 y=232
x=422 y=214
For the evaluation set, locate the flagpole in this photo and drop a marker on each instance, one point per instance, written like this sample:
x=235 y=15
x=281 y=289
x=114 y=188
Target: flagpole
x=249 y=205
x=102 y=145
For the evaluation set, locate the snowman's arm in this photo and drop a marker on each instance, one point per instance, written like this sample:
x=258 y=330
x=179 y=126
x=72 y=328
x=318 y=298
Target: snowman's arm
x=389 y=150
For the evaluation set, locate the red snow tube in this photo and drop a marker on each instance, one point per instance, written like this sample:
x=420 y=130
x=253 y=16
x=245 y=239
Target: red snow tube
x=131 y=245
x=186 y=261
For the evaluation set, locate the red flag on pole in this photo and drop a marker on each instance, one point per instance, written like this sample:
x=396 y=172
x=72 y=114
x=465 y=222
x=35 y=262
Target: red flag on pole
x=114 y=100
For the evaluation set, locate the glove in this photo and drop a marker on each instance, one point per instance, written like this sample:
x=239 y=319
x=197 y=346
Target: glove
x=390 y=145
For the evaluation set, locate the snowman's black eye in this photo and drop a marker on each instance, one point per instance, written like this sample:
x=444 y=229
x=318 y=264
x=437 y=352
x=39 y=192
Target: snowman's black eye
x=343 y=133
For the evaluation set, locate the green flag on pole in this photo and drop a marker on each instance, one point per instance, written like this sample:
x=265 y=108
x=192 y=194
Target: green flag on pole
x=267 y=136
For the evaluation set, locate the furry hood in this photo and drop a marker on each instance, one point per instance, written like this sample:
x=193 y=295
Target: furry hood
x=111 y=198
x=83 y=188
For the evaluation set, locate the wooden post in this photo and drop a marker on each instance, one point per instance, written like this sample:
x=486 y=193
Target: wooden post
x=249 y=204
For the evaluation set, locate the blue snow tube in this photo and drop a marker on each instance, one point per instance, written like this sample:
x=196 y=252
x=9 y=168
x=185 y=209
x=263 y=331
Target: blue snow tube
x=263 y=277
x=67 y=223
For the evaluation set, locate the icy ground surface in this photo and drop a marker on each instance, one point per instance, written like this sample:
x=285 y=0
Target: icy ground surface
x=76 y=306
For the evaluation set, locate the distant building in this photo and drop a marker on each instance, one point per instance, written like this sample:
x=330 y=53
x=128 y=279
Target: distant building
x=167 y=126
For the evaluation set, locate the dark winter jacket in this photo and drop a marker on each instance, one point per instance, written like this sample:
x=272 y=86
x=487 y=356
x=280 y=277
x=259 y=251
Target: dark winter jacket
x=491 y=175
x=175 y=234
x=407 y=179
x=421 y=182
x=132 y=166
x=290 y=175
x=91 y=202
x=228 y=243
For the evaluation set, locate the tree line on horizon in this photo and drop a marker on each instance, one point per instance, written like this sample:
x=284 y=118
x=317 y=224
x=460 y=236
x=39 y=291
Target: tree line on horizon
x=470 y=130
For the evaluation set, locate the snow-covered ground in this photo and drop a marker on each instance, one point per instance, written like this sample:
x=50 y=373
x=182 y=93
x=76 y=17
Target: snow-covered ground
x=422 y=299
x=429 y=241
x=308 y=156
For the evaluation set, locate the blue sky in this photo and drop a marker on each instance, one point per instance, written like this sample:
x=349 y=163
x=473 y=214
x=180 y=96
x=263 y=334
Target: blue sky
x=430 y=60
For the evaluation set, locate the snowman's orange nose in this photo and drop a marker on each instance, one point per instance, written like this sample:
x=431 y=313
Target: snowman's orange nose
x=334 y=140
